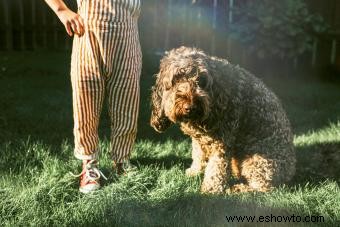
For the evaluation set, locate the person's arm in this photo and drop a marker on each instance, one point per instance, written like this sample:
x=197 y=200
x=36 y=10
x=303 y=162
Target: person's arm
x=72 y=21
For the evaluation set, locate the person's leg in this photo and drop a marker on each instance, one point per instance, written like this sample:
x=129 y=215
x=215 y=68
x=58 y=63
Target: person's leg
x=88 y=87
x=123 y=87
x=123 y=97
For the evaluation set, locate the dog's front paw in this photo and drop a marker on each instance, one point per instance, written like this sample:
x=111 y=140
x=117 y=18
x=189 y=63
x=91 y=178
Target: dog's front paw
x=191 y=172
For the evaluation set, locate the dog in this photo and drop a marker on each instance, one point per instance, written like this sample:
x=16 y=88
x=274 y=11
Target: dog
x=241 y=137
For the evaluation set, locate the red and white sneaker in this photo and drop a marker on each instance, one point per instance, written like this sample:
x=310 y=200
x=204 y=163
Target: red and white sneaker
x=90 y=176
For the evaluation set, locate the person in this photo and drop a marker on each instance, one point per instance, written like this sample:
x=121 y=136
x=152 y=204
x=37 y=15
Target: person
x=106 y=62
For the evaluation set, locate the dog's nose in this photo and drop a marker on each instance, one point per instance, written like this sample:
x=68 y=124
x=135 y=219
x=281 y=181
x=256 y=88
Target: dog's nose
x=189 y=108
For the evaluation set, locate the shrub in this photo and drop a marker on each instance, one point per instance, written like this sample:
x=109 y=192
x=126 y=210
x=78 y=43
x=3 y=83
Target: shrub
x=284 y=28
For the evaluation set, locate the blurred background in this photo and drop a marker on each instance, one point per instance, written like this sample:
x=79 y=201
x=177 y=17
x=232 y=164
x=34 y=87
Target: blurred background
x=304 y=33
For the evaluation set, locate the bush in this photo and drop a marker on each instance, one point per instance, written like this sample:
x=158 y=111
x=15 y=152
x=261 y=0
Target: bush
x=284 y=28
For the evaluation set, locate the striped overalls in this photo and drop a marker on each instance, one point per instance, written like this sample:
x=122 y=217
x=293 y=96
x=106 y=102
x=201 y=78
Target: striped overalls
x=106 y=61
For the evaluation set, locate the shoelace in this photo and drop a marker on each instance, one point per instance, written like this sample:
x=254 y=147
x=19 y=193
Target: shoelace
x=90 y=167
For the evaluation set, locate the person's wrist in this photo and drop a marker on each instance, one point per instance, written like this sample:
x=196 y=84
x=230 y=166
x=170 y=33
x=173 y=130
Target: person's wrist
x=60 y=10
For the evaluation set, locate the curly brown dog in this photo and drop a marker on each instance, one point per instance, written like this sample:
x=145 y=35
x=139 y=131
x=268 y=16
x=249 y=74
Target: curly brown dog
x=237 y=125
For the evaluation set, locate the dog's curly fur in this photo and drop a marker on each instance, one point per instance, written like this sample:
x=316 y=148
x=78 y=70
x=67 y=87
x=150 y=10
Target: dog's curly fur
x=237 y=125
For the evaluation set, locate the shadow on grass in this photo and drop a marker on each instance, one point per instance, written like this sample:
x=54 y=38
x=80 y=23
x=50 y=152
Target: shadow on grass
x=190 y=210
x=317 y=163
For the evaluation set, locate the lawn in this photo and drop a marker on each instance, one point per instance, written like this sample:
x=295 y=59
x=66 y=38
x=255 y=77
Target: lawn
x=36 y=158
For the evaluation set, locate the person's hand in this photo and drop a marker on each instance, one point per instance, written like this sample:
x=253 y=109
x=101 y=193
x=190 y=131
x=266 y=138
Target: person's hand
x=73 y=22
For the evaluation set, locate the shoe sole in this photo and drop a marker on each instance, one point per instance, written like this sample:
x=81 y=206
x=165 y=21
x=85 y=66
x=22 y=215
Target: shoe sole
x=89 y=188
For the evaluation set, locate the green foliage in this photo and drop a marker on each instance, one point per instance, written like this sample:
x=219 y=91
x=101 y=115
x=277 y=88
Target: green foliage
x=284 y=28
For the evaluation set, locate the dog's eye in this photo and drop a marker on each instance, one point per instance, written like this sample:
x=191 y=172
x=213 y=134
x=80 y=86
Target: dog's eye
x=202 y=81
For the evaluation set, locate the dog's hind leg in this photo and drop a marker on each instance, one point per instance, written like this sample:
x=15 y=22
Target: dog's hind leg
x=215 y=175
x=198 y=159
x=258 y=172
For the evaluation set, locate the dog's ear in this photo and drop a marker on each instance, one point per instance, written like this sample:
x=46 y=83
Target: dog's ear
x=204 y=80
x=158 y=119
x=204 y=77
x=166 y=73
x=218 y=88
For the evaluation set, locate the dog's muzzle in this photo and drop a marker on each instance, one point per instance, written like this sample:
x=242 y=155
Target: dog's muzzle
x=189 y=109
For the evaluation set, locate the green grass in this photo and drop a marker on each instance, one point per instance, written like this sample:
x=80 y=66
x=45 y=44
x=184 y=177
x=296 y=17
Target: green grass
x=36 y=157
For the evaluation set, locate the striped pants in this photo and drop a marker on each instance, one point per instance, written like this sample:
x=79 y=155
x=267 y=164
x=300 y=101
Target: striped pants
x=106 y=62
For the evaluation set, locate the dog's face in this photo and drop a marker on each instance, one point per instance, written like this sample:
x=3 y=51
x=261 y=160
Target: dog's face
x=181 y=93
x=186 y=100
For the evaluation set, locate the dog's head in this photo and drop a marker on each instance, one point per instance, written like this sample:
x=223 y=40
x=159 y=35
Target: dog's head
x=181 y=92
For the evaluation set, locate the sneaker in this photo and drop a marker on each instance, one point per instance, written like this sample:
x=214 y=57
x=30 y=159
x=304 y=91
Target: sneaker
x=122 y=168
x=89 y=177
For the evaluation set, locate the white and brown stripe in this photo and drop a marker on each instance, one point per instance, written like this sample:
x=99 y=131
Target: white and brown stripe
x=106 y=61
